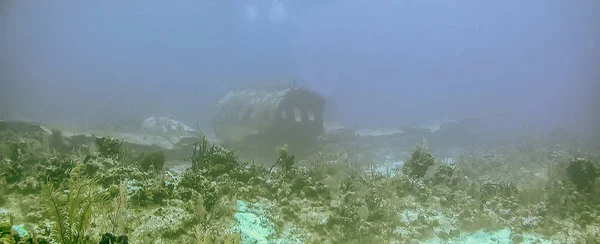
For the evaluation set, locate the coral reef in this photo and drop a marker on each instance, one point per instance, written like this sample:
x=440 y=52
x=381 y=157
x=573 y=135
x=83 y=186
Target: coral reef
x=421 y=159
x=154 y=161
x=53 y=191
x=583 y=174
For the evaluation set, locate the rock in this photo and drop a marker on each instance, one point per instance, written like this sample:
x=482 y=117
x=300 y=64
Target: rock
x=5 y=228
x=5 y=222
x=164 y=126
x=134 y=141
x=154 y=160
x=583 y=174
x=112 y=239
x=421 y=159
x=23 y=127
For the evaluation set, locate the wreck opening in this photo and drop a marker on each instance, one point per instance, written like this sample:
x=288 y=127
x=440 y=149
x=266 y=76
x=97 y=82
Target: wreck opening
x=300 y=105
x=293 y=116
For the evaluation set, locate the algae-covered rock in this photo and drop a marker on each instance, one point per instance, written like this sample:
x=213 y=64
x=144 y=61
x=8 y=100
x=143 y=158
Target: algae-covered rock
x=421 y=159
x=109 y=238
x=447 y=174
x=155 y=160
x=583 y=174
x=5 y=227
x=109 y=147
x=5 y=219
x=7 y=234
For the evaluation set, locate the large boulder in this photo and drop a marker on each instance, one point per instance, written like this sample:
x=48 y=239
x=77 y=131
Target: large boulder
x=166 y=127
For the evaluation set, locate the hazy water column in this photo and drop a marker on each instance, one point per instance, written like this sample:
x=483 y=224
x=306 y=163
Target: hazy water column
x=261 y=30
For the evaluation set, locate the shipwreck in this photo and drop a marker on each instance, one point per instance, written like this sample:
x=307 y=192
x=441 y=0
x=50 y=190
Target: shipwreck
x=270 y=117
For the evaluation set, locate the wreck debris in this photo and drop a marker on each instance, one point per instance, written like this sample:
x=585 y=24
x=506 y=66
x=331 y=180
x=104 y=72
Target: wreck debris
x=293 y=115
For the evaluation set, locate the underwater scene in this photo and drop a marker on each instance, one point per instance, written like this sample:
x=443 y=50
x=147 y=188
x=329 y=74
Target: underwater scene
x=118 y=187
x=299 y=121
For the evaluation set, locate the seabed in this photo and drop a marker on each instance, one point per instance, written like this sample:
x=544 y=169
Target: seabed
x=98 y=187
